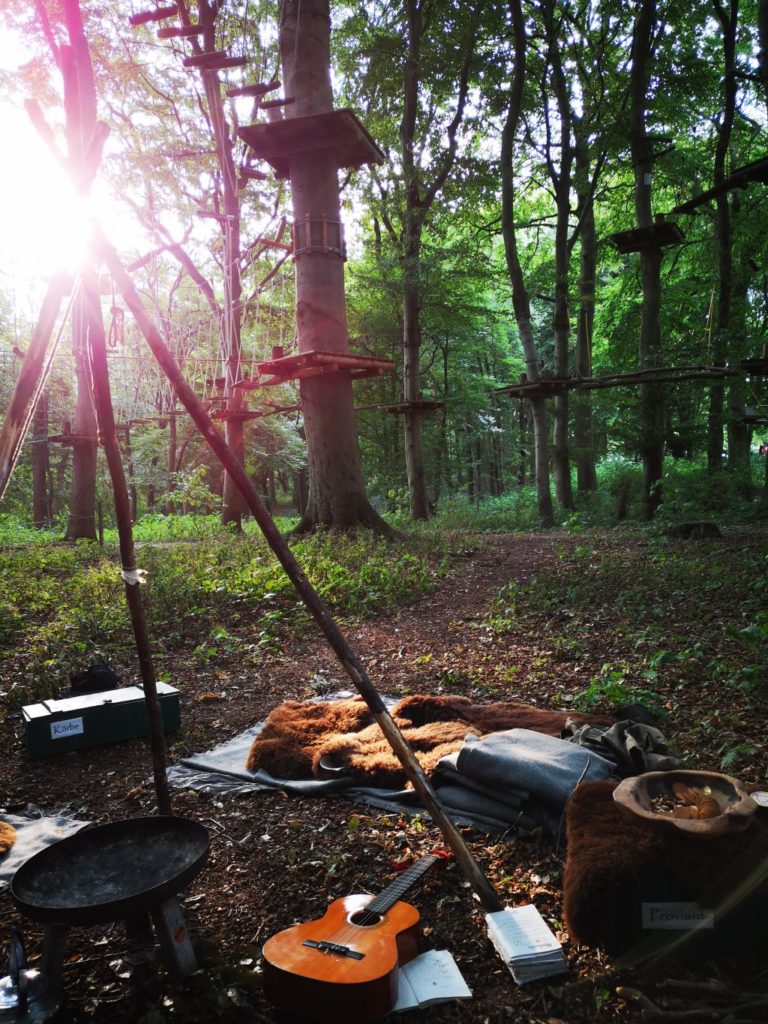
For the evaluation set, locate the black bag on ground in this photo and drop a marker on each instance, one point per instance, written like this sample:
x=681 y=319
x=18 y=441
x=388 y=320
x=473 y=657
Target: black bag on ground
x=94 y=679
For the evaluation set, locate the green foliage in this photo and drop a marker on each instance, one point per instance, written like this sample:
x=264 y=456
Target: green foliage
x=612 y=688
x=224 y=593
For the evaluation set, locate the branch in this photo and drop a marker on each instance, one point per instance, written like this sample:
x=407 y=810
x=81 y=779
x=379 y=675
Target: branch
x=449 y=155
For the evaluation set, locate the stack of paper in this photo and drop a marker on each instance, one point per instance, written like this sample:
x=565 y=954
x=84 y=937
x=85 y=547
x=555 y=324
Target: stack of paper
x=525 y=943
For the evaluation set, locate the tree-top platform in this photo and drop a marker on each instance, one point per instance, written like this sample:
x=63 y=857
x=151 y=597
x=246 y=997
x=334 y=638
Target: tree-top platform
x=339 y=131
x=660 y=234
x=419 y=405
x=740 y=178
x=315 y=364
x=254 y=414
x=757 y=366
x=549 y=386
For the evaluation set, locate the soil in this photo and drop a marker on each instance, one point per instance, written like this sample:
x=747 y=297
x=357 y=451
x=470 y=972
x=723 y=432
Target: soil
x=277 y=859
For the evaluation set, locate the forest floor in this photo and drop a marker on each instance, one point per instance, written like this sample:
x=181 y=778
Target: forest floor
x=568 y=624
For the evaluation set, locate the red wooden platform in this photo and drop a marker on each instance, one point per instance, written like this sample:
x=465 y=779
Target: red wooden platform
x=421 y=405
x=315 y=364
x=337 y=130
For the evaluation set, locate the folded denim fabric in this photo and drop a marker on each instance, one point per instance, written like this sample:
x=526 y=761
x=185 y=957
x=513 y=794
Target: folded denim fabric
x=447 y=774
x=548 y=768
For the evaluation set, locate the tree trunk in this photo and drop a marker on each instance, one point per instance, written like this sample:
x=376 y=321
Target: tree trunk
x=132 y=491
x=738 y=431
x=728 y=22
x=762 y=28
x=234 y=428
x=586 y=474
x=81 y=524
x=40 y=464
x=560 y=176
x=336 y=489
x=80 y=114
x=651 y=395
x=172 y=447
x=414 y=453
x=520 y=299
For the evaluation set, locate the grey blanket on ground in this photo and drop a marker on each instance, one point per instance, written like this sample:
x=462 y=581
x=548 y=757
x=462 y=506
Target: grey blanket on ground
x=546 y=768
x=519 y=777
x=34 y=831
x=495 y=804
x=634 y=746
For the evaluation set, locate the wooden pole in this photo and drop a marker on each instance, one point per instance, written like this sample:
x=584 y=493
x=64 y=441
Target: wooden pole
x=293 y=570
x=31 y=379
x=102 y=398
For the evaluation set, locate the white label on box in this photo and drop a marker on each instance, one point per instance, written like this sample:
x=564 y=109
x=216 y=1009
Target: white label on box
x=677 y=916
x=69 y=727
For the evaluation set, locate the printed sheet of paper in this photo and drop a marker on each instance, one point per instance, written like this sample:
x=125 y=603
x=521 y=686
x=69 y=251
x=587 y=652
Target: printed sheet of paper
x=433 y=977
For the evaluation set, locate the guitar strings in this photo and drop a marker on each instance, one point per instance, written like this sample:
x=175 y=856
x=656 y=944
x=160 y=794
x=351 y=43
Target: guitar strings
x=367 y=917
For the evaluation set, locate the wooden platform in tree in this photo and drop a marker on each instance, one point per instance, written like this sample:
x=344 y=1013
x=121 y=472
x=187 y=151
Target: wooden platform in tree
x=544 y=388
x=159 y=14
x=254 y=90
x=255 y=414
x=180 y=31
x=214 y=60
x=421 y=405
x=315 y=364
x=72 y=439
x=551 y=386
x=740 y=178
x=757 y=366
x=338 y=131
x=663 y=233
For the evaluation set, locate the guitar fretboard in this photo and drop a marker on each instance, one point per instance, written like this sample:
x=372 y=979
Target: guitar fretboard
x=401 y=885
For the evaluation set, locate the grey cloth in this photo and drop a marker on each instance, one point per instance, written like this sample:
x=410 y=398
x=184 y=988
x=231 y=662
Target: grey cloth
x=34 y=831
x=633 y=746
x=544 y=766
x=448 y=774
x=221 y=771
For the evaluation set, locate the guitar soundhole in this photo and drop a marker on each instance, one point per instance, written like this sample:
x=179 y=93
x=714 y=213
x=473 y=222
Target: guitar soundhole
x=365 y=918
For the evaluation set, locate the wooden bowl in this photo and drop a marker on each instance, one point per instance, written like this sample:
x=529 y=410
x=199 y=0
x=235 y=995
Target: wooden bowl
x=634 y=798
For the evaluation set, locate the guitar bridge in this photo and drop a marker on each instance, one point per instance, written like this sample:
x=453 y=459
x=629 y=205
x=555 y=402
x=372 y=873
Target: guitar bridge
x=334 y=948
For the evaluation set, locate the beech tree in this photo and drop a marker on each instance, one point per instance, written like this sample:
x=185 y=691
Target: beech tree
x=337 y=495
x=520 y=298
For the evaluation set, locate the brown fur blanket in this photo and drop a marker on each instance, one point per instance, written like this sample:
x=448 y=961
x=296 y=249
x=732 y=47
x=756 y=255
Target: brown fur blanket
x=297 y=735
x=7 y=837
x=615 y=864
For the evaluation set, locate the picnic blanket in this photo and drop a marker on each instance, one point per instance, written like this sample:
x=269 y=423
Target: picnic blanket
x=494 y=804
x=34 y=831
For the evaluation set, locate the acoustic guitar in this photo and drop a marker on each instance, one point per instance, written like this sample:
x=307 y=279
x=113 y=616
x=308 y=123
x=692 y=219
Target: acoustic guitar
x=343 y=966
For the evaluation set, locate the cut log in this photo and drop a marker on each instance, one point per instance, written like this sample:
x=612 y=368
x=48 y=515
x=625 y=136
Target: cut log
x=282 y=101
x=160 y=14
x=257 y=89
x=214 y=60
x=179 y=31
x=251 y=174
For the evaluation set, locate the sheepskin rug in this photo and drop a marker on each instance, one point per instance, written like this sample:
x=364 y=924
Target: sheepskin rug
x=297 y=736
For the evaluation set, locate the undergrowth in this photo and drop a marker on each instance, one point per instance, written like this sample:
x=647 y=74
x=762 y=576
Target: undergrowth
x=63 y=606
x=689 y=616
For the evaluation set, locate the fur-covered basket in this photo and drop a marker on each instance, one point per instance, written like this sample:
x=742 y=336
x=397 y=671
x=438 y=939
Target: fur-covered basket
x=616 y=864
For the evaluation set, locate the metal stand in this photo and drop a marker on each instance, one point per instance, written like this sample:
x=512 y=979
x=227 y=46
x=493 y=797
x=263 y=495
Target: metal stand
x=170 y=928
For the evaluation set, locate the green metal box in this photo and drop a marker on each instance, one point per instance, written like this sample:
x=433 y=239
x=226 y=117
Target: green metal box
x=57 y=726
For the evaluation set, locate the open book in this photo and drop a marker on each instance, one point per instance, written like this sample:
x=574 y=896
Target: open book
x=433 y=977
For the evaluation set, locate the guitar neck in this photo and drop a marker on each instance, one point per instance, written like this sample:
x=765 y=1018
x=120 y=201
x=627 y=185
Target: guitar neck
x=401 y=885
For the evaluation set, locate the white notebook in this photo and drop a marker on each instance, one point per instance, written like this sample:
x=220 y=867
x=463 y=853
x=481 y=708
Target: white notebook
x=525 y=943
x=433 y=977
